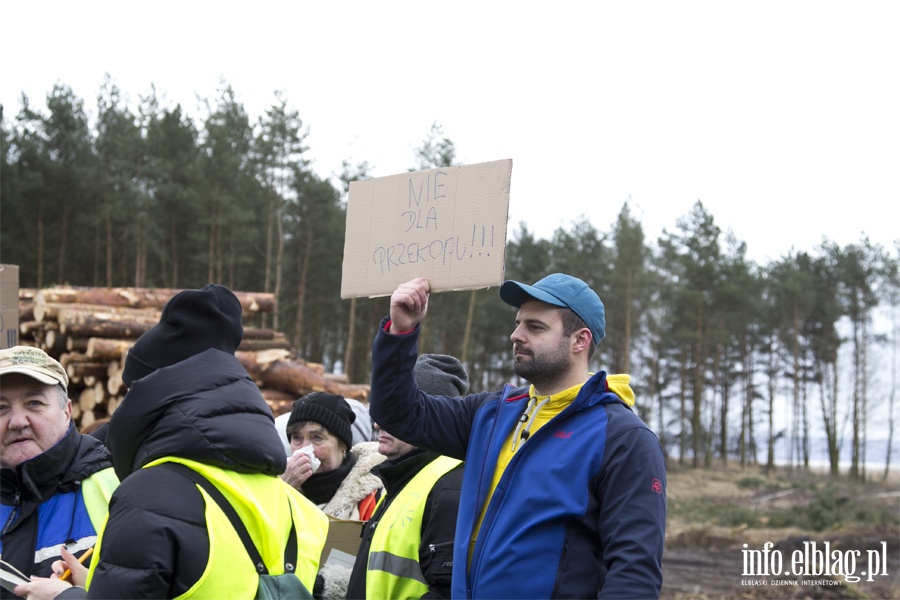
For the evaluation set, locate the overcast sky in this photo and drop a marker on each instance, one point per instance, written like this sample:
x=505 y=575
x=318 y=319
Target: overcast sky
x=783 y=117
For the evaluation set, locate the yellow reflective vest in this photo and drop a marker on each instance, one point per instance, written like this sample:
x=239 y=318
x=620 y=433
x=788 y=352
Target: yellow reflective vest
x=96 y=491
x=263 y=503
x=393 y=567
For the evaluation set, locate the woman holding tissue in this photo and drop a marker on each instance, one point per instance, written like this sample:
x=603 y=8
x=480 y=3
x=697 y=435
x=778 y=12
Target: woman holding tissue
x=325 y=465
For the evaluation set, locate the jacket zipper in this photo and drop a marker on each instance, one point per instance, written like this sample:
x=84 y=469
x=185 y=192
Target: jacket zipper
x=469 y=568
x=511 y=467
x=432 y=548
x=15 y=512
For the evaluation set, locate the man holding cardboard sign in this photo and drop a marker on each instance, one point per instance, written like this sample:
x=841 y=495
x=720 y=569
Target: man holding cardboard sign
x=563 y=494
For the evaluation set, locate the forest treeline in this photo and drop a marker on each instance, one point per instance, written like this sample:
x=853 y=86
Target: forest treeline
x=715 y=343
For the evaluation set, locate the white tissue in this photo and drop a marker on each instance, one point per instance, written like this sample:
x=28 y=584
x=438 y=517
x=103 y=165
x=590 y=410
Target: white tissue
x=313 y=461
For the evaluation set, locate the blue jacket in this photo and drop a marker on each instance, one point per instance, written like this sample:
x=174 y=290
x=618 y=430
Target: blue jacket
x=580 y=510
x=44 y=504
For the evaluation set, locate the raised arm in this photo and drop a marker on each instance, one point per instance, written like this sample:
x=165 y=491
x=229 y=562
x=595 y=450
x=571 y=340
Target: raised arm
x=409 y=303
x=439 y=423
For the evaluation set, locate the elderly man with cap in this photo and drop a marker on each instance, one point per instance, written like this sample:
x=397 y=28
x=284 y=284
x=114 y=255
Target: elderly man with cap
x=407 y=545
x=563 y=493
x=55 y=483
x=194 y=445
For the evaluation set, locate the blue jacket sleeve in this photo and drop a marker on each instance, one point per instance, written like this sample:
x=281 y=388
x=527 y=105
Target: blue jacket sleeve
x=632 y=520
x=437 y=423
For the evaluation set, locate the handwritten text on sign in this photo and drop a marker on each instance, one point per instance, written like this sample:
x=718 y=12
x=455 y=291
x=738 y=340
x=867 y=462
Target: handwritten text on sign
x=427 y=208
x=448 y=225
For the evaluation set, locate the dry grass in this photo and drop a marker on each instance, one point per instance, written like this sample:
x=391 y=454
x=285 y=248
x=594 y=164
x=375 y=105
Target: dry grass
x=714 y=512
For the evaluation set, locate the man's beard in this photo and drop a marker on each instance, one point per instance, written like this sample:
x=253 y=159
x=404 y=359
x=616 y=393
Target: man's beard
x=546 y=370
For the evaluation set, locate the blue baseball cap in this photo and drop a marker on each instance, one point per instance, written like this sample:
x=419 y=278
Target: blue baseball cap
x=562 y=290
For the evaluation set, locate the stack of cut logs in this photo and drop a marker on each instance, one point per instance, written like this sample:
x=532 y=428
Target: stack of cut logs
x=90 y=330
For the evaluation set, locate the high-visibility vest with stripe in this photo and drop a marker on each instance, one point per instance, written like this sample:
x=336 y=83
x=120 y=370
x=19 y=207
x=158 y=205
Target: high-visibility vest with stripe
x=393 y=569
x=229 y=572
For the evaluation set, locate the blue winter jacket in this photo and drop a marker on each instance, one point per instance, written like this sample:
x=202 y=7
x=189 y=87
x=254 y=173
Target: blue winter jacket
x=580 y=510
x=57 y=497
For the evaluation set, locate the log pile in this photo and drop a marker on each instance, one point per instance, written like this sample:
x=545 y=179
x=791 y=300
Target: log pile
x=90 y=330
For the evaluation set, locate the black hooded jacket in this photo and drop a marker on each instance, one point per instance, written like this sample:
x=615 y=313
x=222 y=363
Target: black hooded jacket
x=206 y=409
x=59 y=470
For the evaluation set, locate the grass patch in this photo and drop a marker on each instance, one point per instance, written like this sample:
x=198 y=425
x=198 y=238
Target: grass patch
x=711 y=511
x=800 y=504
x=829 y=508
x=751 y=483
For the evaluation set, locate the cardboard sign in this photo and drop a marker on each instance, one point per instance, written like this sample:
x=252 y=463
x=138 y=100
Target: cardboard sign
x=9 y=306
x=448 y=225
x=343 y=536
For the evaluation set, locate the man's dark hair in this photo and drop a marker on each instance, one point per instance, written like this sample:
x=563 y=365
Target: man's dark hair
x=572 y=323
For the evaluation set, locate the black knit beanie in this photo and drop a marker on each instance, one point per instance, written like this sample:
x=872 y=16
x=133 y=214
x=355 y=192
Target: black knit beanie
x=441 y=375
x=192 y=322
x=329 y=410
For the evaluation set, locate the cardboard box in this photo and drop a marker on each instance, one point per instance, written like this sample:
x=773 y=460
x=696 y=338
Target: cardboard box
x=9 y=306
x=343 y=536
x=448 y=225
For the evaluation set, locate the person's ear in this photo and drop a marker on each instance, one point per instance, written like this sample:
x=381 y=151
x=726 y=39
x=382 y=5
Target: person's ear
x=583 y=340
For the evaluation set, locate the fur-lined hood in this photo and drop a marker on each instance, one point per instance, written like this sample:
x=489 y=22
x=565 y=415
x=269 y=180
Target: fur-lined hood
x=358 y=483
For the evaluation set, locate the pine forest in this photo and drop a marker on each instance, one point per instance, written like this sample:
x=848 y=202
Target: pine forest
x=729 y=359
